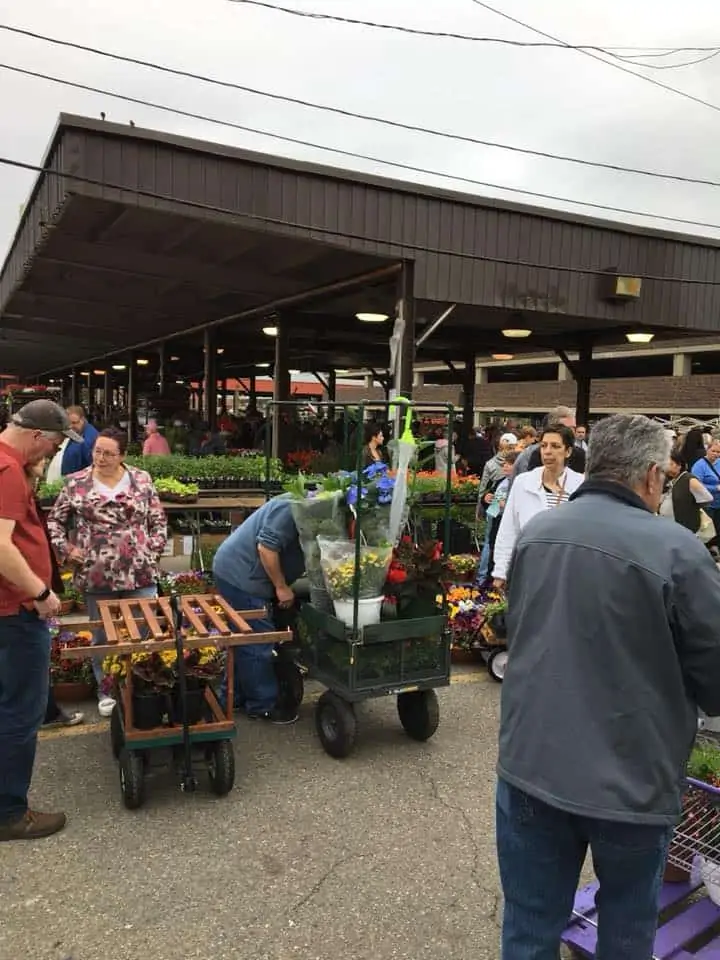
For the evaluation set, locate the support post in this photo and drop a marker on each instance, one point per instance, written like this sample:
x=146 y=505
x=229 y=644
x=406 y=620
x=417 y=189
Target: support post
x=210 y=382
x=583 y=378
x=469 y=382
x=332 y=395
x=107 y=399
x=131 y=399
x=161 y=368
x=252 y=399
x=281 y=388
x=405 y=363
x=74 y=400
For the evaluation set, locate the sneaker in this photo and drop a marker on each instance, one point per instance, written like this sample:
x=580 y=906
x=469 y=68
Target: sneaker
x=106 y=706
x=65 y=720
x=279 y=717
x=33 y=826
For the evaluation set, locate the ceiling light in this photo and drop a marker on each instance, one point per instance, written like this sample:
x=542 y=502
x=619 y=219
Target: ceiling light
x=174 y=358
x=341 y=373
x=502 y=356
x=262 y=366
x=270 y=331
x=221 y=351
x=99 y=373
x=180 y=382
x=84 y=373
x=294 y=373
x=639 y=336
x=372 y=317
x=516 y=334
x=142 y=361
x=119 y=366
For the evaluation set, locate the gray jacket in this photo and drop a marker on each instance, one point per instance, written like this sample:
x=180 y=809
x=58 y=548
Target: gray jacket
x=614 y=642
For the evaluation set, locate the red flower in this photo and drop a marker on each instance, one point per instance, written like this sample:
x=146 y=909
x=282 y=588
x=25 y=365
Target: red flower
x=396 y=574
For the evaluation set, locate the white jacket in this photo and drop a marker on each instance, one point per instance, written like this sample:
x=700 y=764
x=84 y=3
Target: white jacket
x=527 y=498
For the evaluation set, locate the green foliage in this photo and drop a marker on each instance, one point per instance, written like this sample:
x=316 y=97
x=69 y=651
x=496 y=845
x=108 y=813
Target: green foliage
x=202 y=468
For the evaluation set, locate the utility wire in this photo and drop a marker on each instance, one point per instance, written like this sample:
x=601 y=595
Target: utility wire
x=357 y=156
x=313 y=229
x=449 y=35
x=595 y=56
x=339 y=111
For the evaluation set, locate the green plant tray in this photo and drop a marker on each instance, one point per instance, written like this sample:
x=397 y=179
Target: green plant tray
x=386 y=658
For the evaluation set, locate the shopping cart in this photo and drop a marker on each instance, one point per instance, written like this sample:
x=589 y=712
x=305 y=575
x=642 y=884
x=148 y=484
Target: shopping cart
x=689 y=921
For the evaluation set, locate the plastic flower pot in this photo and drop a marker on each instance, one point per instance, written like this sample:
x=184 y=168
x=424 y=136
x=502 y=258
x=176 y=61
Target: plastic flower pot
x=368 y=611
x=195 y=701
x=148 y=710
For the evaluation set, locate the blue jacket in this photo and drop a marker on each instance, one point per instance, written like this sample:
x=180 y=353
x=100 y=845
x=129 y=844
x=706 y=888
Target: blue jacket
x=237 y=561
x=78 y=456
x=709 y=478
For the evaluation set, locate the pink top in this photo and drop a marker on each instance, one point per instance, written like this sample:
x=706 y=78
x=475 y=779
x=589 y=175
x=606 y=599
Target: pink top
x=156 y=446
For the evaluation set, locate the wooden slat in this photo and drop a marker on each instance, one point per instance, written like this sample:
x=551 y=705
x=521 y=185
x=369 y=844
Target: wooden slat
x=127 y=615
x=148 y=612
x=233 y=616
x=214 y=618
x=215 y=706
x=164 y=605
x=195 y=621
x=104 y=608
x=163 y=733
x=190 y=643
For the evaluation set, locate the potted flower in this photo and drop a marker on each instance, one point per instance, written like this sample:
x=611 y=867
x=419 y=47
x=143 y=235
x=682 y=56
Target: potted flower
x=461 y=567
x=73 y=680
x=343 y=576
x=203 y=666
x=153 y=680
x=414 y=578
x=466 y=618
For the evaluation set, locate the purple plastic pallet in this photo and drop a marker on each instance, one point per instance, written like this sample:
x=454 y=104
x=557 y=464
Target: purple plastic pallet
x=672 y=936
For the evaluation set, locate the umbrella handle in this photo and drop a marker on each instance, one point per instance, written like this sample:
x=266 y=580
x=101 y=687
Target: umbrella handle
x=407 y=433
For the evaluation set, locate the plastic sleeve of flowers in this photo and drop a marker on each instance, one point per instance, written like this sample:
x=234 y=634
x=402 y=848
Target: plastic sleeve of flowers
x=398 y=514
x=339 y=565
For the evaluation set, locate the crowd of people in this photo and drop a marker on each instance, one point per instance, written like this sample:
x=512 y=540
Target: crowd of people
x=601 y=544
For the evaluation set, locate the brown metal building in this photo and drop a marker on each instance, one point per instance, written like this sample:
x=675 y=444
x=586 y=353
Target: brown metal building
x=132 y=238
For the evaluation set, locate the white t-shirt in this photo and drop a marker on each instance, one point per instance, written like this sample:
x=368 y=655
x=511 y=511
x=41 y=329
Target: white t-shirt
x=111 y=493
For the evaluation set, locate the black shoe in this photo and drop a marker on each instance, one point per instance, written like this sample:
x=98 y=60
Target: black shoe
x=280 y=717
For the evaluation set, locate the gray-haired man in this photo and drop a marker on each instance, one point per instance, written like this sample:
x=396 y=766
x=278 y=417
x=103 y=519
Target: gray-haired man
x=614 y=641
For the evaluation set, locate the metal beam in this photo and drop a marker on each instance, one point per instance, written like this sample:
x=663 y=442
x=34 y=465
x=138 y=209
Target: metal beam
x=426 y=334
x=323 y=383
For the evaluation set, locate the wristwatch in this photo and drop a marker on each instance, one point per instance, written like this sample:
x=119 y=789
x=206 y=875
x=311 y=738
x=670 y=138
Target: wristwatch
x=42 y=597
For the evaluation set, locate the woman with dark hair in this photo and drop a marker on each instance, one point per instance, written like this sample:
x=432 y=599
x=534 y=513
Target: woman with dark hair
x=685 y=496
x=543 y=488
x=121 y=532
x=374 y=439
x=693 y=447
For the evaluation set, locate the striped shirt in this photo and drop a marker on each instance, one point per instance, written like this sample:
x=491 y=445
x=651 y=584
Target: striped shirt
x=553 y=498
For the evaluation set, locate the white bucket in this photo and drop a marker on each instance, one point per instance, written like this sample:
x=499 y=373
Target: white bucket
x=368 y=611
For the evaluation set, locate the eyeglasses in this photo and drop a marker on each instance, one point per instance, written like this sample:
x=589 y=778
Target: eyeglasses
x=109 y=454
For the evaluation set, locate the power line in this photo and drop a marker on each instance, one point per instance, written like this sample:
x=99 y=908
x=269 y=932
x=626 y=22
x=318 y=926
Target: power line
x=357 y=156
x=344 y=235
x=609 y=63
x=340 y=111
x=450 y=35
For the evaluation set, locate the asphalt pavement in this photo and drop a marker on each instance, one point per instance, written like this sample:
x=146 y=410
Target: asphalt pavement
x=387 y=855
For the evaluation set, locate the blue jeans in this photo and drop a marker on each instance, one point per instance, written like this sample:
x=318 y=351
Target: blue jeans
x=541 y=851
x=91 y=599
x=484 y=567
x=24 y=682
x=256 y=686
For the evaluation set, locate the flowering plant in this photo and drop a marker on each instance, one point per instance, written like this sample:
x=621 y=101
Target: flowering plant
x=157 y=671
x=465 y=616
x=415 y=571
x=62 y=668
x=369 y=500
x=187 y=583
x=338 y=566
x=461 y=564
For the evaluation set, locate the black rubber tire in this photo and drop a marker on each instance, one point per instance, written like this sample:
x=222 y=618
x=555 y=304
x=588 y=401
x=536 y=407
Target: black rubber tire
x=419 y=713
x=132 y=778
x=496 y=664
x=336 y=725
x=117 y=735
x=221 y=767
x=291 y=686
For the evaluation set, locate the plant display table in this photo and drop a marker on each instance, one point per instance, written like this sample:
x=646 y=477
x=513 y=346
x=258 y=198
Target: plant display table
x=168 y=711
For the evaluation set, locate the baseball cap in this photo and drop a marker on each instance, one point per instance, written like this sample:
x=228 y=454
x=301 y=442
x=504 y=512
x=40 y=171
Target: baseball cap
x=45 y=415
x=508 y=438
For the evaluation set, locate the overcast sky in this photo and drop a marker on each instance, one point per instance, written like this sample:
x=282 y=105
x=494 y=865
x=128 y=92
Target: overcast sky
x=554 y=100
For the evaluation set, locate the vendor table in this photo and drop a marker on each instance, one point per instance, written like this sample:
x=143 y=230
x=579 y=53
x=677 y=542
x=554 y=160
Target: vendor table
x=211 y=504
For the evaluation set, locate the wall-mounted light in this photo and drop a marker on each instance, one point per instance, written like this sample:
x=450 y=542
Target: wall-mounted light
x=372 y=317
x=639 y=336
x=513 y=333
x=270 y=331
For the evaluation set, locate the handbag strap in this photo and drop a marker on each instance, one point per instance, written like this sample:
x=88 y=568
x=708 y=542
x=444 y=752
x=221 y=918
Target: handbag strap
x=712 y=467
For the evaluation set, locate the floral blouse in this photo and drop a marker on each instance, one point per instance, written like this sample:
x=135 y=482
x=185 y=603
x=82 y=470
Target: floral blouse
x=121 y=539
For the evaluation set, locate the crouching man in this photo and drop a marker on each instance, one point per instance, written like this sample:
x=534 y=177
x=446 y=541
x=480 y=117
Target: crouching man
x=253 y=569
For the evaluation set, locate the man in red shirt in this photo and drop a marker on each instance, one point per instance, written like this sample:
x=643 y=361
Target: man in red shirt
x=34 y=433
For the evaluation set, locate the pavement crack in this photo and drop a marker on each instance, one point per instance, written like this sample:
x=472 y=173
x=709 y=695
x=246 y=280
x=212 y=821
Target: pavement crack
x=457 y=810
x=321 y=881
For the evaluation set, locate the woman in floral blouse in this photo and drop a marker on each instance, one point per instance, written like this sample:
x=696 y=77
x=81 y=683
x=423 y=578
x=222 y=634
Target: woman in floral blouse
x=121 y=532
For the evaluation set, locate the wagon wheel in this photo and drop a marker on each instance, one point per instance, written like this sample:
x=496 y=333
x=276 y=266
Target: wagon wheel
x=132 y=778
x=497 y=664
x=221 y=767
x=117 y=734
x=336 y=724
x=419 y=713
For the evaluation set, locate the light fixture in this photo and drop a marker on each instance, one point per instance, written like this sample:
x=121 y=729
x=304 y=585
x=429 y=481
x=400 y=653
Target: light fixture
x=270 y=331
x=180 y=382
x=513 y=333
x=119 y=366
x=220 y=351
x=99 y=373
x=639 y=336
x=341 y=373
x=372 y=317
x=142 y=361
x=174 y=358
x=262 y=366
x=503 y=356
x=84 y=373
x=294 y=373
